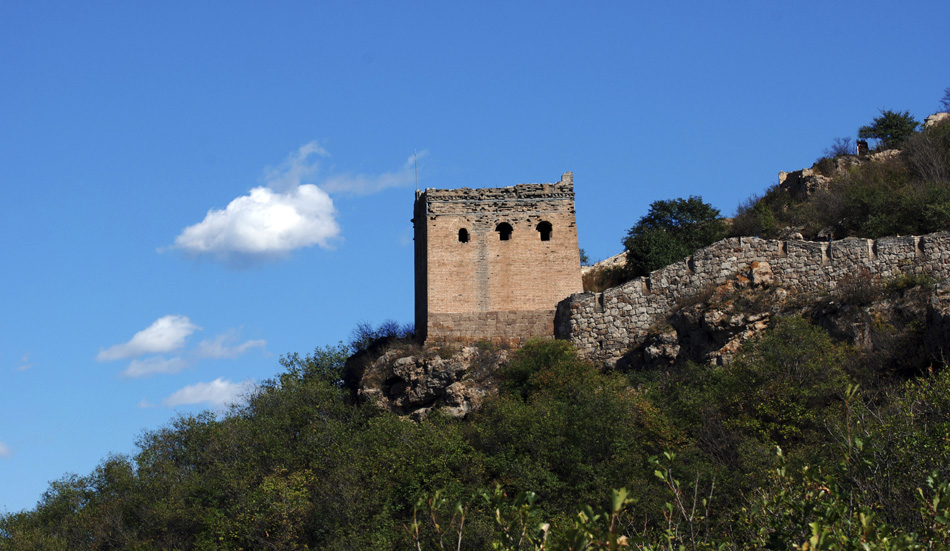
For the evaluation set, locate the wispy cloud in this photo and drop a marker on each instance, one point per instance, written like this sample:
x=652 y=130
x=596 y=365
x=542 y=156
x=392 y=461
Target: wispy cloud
x=366 y=184
x=24 y=363
x=219 y=392
x=154 y=364
x=223 y=346
x=150 y=349
x=145 y=404
x=5 y=450
x=166 y=334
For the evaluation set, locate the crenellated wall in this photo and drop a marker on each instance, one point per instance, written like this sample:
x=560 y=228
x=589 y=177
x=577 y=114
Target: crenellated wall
x=604 y=326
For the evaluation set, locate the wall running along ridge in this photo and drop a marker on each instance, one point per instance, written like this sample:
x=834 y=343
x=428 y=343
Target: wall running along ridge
x=604 y=326
x=484 y=287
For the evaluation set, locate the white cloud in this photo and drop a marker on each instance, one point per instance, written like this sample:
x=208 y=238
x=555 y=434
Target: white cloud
x=363 y=184
x=145 y=404
x=219 y=392
x=288 y=212
x=222 y=346
x=270 y=221
x=166 y=334
x=5 y=450
x=154 y=364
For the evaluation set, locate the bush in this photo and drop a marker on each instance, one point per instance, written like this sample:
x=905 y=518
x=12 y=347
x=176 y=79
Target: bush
x=891 y=129
x=928 y=154
x=364 y=334
x=671 y=231
x=841 y=146
x=598 y=279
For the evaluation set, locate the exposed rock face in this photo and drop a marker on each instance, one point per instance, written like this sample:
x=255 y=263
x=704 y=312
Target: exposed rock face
x=612 y=262
x=415 y=381
x=802 y=184
x=936 y=118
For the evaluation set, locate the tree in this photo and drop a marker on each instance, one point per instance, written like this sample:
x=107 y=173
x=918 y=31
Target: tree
x=670 y=231
x=945 y=102
x=890 y=129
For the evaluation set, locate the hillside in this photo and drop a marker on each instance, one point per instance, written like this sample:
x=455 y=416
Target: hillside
x=753 y=415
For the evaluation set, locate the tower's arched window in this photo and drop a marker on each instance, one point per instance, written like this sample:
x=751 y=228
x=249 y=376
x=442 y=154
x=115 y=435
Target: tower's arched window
x=544 y=228
x=463 y=235
x=504 y=231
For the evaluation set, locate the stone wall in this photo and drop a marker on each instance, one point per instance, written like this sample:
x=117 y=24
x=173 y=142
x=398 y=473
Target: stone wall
x=604 y=326
x=493 y=263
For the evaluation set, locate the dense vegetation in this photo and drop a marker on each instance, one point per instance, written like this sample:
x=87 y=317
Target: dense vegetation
x=907 y=194
x=300 y=466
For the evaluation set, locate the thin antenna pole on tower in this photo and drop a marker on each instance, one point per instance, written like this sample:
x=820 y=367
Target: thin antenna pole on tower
x=415 y=165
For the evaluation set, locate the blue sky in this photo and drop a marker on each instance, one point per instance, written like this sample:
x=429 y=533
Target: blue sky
x=193 y=189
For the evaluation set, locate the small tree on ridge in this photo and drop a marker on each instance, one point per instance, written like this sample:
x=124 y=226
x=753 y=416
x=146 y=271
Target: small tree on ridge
x=890 y=129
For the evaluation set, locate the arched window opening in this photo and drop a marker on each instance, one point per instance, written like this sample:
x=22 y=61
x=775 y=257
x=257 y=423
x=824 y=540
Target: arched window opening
x=504 y=231
x=544 y=228
x=463 y=235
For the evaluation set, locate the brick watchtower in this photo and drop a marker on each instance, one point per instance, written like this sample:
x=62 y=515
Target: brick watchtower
x=493 y=263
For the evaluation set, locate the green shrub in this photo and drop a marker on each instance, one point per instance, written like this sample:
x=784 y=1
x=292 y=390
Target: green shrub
x=671 y=231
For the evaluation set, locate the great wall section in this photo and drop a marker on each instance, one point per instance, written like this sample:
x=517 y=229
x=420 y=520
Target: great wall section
x=605 y=326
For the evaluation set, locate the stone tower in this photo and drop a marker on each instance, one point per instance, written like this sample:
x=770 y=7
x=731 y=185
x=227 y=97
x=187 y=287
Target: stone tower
x=493 y=263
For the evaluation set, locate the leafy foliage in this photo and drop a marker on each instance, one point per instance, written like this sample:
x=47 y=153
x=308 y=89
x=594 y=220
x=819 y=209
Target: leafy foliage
x=671 y=231
x=300 y=467
x=906 y=195
x=891 y=129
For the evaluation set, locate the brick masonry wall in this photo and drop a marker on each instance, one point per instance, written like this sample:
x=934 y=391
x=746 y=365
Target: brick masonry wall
x=510 y=327
x=606 y=325
x=471 y=290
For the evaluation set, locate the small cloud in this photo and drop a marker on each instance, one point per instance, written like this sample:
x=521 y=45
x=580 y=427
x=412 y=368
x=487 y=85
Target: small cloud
x=270 y=221
x=154 y=364
x=223 y=346
x=24 y=363
x=166 y=334
x=219 y=392
x=145 y=404
x=288 y=212
x=363 y=184
x=5 y=450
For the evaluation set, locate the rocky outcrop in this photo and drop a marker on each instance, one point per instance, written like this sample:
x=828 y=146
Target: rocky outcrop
x=413 y=381
x=614 y=261
x=936 y=119
x=802 y=184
